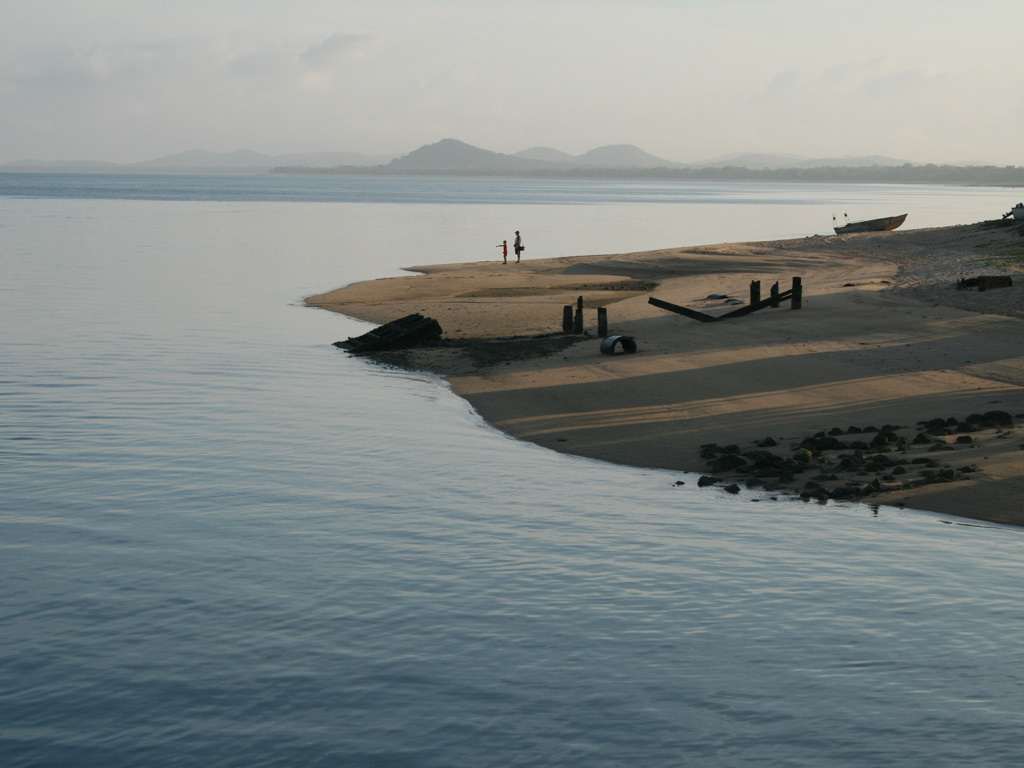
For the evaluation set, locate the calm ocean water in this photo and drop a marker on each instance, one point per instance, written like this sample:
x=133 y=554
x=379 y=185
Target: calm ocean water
x=225 y=543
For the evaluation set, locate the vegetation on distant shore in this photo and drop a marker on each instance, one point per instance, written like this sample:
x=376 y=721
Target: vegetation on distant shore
x=986 y=175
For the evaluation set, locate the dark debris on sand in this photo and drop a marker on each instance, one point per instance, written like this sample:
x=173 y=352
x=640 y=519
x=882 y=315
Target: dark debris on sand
x=857 y=462
x=479 y=353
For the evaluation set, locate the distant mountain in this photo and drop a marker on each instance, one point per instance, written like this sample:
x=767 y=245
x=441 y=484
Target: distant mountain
x=547 y=154
x=201 y=159
x=612 y=156
x=622 y=156
x=454 y=156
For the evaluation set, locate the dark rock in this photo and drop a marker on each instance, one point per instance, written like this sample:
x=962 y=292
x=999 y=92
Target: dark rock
x=706 y=480
x=997 y=419
x=882 y=439
x=822 y=442
x=734 y=489
x=965 y=439
x=728 y=463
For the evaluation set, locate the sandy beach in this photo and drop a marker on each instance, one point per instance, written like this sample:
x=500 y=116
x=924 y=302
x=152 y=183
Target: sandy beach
x=890 y=385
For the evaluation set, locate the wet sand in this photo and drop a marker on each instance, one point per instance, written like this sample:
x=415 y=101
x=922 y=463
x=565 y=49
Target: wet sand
x=885 y=344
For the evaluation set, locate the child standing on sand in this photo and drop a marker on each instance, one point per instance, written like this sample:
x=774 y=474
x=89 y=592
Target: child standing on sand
x=504 y=251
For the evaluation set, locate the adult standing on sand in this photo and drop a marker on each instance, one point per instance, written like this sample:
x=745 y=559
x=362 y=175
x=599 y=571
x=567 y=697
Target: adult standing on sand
x=519 y=245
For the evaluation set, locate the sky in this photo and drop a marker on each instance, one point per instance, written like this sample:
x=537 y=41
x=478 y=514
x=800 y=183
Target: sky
x=124 y=81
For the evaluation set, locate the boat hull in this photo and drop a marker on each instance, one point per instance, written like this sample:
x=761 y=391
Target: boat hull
x=872 y=225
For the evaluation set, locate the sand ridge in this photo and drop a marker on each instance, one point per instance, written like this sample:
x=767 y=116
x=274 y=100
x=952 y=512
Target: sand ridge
x=884 y=338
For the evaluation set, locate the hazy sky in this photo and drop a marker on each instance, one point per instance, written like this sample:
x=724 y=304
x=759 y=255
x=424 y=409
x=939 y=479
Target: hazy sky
x=687 y=80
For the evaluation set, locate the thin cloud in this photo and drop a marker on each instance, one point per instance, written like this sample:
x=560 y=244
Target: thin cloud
x=336 y=48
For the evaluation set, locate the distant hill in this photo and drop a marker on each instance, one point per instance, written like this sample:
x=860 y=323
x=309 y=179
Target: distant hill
x=612 y=156
x=622 y=156
x=451 y=157
x=617 y=161
x=454 y=156
x=547 y=154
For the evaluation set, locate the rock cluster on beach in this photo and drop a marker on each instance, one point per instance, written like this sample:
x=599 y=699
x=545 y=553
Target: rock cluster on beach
x=856 y=462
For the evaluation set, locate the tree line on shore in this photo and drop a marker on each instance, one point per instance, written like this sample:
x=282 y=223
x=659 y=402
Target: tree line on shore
x=982 y=175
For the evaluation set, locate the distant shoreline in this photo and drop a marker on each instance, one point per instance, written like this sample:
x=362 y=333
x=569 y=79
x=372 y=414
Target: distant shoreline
x=982 y=176
x=944 y=175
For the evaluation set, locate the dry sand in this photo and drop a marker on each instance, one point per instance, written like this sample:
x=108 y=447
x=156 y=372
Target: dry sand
x=884 y=338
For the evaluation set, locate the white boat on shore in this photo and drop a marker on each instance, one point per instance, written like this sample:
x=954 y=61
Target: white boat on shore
x=871 y=225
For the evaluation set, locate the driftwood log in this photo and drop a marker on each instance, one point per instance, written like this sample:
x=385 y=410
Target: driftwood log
x=409 y=331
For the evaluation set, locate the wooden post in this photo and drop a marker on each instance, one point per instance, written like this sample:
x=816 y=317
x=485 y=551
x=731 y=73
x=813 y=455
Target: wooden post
x=567 y=318
x=797 y=302
x=602 y=321
x=577 y=326
x=775 y=294
x=755 y=291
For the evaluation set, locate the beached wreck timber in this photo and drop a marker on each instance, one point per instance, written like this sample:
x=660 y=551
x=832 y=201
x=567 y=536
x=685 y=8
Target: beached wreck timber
x=409 y=331
x=871 y=225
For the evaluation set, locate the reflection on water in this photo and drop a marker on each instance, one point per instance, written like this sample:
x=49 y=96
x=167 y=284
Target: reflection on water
x=224 y=542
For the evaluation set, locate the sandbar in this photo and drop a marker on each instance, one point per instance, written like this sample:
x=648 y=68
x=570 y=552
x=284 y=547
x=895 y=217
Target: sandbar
x=886 y=336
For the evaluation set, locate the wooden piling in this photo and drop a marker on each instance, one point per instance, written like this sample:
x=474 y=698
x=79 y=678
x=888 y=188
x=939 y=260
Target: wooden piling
x=567 y=318
x=755 y=291
x=797 y=300
x=602 y=321
x=774 y=295
x=577 y=325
